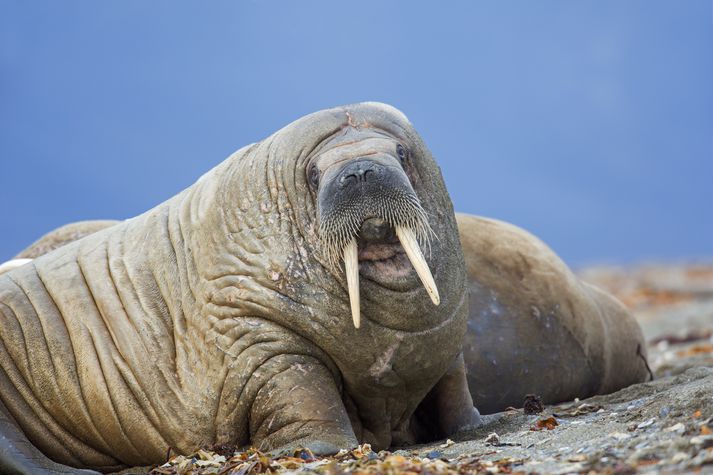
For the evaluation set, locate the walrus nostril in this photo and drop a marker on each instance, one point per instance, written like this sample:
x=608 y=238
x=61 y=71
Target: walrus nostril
x=359 y=171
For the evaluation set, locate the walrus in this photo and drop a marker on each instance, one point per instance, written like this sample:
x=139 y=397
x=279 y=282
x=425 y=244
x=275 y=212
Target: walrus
x=308 y=291
x=532 y=326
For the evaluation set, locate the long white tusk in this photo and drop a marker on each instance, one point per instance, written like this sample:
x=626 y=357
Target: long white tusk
x=12 y=264
x=351 y=267
x=413 y=251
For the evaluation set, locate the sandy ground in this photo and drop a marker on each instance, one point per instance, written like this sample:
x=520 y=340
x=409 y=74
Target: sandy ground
x=665 y=425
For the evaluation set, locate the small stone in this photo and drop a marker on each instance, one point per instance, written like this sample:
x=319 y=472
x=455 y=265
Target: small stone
x=704 y=441
x=679 y=457
x=619 y=435
x=533 y=404
x=646 y=423
x=677 y=428
x=434 y=454
x=664 y=411
x=493 y=439
x=448 y=443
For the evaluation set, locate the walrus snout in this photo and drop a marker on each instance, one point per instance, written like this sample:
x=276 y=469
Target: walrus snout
x=368 y=200
x=376 y=230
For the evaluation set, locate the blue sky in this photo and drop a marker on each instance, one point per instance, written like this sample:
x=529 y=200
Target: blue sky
x=589 y=123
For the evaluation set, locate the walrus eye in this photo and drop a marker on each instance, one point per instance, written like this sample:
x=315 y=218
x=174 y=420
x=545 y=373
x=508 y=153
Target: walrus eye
x=313 y=176
x=401 y=152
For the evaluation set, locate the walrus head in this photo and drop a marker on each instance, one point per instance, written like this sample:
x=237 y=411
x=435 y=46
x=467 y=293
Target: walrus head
x=342 y=208
x=368 y=214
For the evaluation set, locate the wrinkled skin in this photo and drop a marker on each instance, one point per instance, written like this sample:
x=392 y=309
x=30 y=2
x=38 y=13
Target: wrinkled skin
x=533 y=327
x=216 y=318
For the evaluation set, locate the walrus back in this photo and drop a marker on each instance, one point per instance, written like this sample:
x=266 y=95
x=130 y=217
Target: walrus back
x=62 y=236
x=69 y=342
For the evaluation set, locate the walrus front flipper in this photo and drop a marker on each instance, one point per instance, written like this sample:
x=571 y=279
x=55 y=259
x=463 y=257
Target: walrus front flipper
x=19 y=456
x=298 y=405
x=448 y=407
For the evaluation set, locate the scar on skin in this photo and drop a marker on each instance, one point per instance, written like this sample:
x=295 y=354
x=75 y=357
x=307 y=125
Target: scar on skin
x=349 y=120
x=384 y=362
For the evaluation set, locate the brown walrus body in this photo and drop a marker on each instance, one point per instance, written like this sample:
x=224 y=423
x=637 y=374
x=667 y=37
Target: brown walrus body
x=218 y=317
x=534 y=327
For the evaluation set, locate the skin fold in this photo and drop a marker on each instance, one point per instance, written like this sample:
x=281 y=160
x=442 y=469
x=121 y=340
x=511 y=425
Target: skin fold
x=219 y=317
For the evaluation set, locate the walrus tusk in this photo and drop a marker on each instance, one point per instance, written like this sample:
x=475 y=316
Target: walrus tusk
x=351 y=267
x=13 y=263
x=413 y=251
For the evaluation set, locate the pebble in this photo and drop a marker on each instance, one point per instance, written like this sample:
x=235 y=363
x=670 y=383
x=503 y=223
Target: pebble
x=634 y=405
x=677 y=428
x=664 y=411
x=646 y=423
x=493 y=438
x=704 y=441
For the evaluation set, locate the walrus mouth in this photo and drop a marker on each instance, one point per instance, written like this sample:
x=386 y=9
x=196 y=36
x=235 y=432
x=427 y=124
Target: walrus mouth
x=386 y=254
